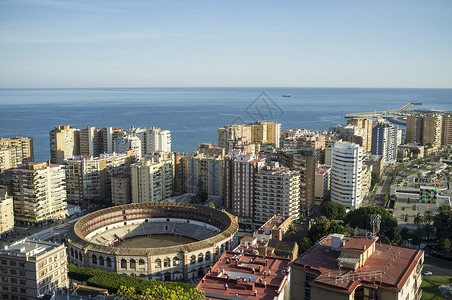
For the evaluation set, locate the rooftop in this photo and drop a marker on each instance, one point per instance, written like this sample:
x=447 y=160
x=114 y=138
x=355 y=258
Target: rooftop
x=388 y=266
x=245 y=276
x=28 y=247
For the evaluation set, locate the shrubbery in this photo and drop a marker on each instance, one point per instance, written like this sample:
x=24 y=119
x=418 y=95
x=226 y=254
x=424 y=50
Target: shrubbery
x=131 y=287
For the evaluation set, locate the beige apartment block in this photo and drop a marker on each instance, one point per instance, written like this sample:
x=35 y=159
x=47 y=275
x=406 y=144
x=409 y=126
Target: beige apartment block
x=121 y=189
x=432 y=130
x=255 y=133
x=6 y=213
x=30 y=268
x=64 y=143
x=322 y=184
x=10 y=157
x=203 y=169
x=24 y=143
x=446 y=130
x=152 y=180
x=88 y=177
x=277 y=192
x=367 y=125
x=39 y=192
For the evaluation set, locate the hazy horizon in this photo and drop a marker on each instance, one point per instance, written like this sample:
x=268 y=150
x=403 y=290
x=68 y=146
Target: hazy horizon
x=137 y=43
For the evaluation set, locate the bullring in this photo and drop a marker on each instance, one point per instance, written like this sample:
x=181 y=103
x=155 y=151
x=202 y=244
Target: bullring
x=92 y=240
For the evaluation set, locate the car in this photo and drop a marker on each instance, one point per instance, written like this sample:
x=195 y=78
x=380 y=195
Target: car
x=426 y=273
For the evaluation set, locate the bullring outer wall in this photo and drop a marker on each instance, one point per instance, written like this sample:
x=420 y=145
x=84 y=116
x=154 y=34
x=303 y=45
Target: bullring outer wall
x=180 y=262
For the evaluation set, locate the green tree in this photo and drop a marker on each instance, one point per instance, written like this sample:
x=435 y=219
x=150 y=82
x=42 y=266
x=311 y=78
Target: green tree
x=201 y=193
x=360 y=218
x=445 y=245
x=332 y=210
x=376 y=178
x=443 y=222
x=323 y=227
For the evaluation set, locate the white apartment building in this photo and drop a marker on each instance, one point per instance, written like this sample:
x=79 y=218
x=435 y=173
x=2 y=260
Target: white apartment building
x=127 y=142
x=6 y=213
x=152 y=139
x=277 y=192
x=30 y=268
x=152 y=180
x=39 y=192
x=346 y=177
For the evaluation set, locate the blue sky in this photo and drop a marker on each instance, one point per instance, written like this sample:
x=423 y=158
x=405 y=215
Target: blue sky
x=318 y=43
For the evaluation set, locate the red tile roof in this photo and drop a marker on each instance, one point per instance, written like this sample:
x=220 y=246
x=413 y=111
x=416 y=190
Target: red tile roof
x=388 y=266
x=235 y=271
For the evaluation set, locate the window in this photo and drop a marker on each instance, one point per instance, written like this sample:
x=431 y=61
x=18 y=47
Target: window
x=158 y=263
x=4 y=270
x=22 y=265
x=22 y=282
x=101 y=260
x=108 y=262
x=4 y=279
x=14 y=280
x=21 y=273
x=4 y=262
x=133 y=264
x=12 y=263
x=123 y=264
x=167 y=263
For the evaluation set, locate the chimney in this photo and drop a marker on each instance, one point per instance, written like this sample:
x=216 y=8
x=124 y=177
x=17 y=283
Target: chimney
x=226 y=286
x=255 y=292
x=364 y=247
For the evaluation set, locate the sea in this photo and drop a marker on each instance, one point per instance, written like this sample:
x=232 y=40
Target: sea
x=194 y=114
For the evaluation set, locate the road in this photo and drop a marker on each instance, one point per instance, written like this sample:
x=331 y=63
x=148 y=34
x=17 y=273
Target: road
x=438 y=266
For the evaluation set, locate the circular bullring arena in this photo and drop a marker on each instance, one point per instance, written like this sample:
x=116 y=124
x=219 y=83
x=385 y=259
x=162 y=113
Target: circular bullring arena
x=155 y=240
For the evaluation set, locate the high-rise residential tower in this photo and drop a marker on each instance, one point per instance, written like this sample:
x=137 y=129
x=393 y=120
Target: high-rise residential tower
x=446 y=131
x=277 y=191
x=25 y=144
x=240 y=175
x=152 y=180
x=346 y=177
x=39 y=192
x=64 y=143
x=385 y=140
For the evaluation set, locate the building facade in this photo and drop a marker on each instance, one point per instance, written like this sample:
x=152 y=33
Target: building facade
x=121 y=189
x=385 y=140
x=346 y=175
x=152 y=180
x=88 y=177
x=64 y=143
x=277 y=192
x=322 y=184
x=240 y=174
x=367 y=125
x=344 y=268
x=39 y=192
x=31 y=268
x=446 y=130
x=25 y=144
x=6 y=213
x=202 y=171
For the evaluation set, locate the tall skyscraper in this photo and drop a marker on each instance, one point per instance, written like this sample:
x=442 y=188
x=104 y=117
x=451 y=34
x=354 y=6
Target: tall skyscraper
x=64 y=143
x=39 y=192
x=346 y=177
x=10 y=157
x=385 y=140
x=240 y=175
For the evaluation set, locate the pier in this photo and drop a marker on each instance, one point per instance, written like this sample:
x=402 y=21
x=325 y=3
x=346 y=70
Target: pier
x=384 y=113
